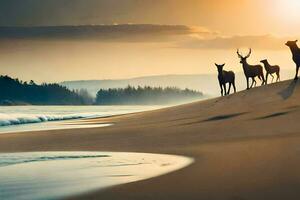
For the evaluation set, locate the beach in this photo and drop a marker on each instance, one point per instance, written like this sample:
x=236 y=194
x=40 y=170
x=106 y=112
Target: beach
x=246 y=146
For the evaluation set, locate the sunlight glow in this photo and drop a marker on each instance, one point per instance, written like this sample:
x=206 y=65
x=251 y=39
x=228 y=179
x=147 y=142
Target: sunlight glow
x=289 y=9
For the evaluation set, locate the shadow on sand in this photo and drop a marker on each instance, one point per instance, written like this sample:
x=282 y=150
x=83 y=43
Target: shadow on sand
x=217 y=118
x=223 y=117
x=289 y=91
x=273 y=115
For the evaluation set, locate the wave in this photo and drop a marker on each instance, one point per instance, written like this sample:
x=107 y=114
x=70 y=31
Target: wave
x=10 y=159
x=17 y=119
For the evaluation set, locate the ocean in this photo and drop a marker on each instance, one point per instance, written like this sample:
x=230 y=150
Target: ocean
x=35 y=118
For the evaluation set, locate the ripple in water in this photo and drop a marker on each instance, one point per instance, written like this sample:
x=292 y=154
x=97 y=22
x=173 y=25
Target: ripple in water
x=55 y=175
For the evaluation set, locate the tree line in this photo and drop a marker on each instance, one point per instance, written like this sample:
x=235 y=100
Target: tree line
x=16 y=92
x=145 y=96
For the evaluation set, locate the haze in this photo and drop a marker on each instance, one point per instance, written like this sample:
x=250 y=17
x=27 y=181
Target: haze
x=209 y=31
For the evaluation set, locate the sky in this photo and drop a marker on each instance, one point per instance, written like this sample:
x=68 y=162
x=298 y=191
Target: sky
x=114 y=39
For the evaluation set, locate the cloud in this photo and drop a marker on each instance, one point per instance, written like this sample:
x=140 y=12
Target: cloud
x=177 y=36
x=116 y=32
x=268 y=42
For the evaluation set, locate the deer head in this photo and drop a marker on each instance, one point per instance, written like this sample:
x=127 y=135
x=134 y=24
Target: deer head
x=244 y=58
x=220 y=67
x=264 y=61
x=291 y=43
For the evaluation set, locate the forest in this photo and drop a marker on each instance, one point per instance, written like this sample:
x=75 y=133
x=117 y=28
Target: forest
x=146 y=96
x=16 y=92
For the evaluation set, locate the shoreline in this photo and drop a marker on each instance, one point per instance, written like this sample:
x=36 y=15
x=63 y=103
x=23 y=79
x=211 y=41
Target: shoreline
x=34 y=118
x=245 y=146
x=57 y=175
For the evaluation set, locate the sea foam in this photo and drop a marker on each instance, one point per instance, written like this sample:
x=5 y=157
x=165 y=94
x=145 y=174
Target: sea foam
x=28 y=118
x=15 y=119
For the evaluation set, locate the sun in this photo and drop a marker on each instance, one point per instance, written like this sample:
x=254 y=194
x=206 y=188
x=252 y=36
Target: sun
x=288 y=9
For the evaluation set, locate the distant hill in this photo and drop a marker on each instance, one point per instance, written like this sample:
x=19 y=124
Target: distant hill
x=193 y=82
x=206 y=83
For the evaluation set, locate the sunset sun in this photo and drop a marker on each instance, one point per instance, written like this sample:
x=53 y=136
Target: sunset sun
x=289 y=9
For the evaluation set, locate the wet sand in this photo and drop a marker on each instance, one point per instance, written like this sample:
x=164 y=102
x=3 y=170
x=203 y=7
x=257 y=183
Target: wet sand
x=57 y=175
x=246 y=146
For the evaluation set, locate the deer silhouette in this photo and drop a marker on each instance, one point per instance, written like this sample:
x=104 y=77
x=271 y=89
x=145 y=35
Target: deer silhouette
x=251 y=71
x=271 y=69
x=296 y=54
x=224 y=78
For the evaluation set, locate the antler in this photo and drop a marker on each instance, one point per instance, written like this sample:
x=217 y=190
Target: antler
x=238 y=53
x=249 y=54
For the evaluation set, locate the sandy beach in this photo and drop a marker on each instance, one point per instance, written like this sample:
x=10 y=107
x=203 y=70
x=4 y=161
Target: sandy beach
x=246 y=146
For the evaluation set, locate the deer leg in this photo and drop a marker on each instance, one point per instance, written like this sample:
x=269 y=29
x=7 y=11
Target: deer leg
x=297 y=70
x=272 y=78
x=251 y=84
x=224 y=85
x=267 y=75
x=229 y=89
x=262 y=78
x=253 y=81
x=247 y=79
x=221 y=86
x=234 y=88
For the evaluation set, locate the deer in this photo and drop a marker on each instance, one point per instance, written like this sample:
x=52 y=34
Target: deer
x=225 y=77
x=270 y=70
x=251 y=71
x=296 y=55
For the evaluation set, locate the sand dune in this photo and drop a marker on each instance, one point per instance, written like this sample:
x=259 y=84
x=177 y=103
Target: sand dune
x=246 y=146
